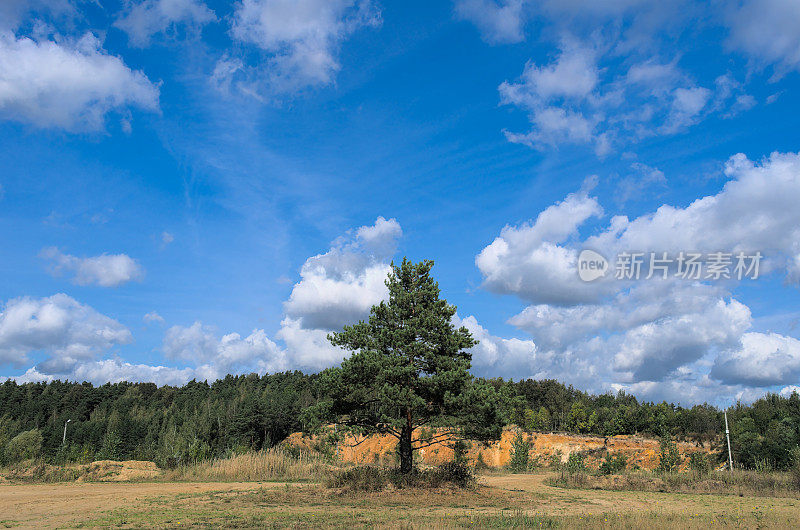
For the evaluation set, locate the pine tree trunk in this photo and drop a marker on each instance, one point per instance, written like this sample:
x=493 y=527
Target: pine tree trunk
x=406 y=451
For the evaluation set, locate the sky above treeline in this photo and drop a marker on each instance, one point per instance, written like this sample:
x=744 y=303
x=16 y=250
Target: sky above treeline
x=190 y=188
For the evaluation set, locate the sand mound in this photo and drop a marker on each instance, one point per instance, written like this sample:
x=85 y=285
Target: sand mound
x=119 y=471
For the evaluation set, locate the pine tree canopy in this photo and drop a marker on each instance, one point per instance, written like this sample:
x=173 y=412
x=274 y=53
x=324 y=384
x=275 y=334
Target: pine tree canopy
x=410 y=368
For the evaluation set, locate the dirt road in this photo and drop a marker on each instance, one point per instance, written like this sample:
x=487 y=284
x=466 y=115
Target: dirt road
x=253 y=504
x=58 y=505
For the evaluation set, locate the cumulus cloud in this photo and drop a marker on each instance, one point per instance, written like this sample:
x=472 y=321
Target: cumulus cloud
x=497 y=356
x=340 y=286
x=637 y=334
x=67 y=84
x=528 y=261
x=114 y=371
x=573 y=100
x=498 y=22
x=142 y=20
x=58 y=326
x=768 y=31
x=300 y=38
x=231 y=353
x=106 y=270
x=761 y=360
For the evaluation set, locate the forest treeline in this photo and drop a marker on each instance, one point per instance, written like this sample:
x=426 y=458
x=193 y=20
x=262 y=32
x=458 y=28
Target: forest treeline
x=197 y=421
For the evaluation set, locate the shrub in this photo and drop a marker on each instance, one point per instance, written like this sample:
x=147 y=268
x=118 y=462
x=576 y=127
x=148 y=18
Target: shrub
x=613 y=463
x=372 y=478
x=669 y=458
x=555 y=459
x=455 y=473
x=364 y=478
x=24 y=446
x=575 y=464
x=460 y=452
x=520 y=450
x=700 y=463
x=795 y=469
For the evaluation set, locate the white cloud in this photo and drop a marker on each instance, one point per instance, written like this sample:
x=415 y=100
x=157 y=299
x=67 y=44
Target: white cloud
x=528 y=261
x=60 y=327
x=787 y=391
x=166 y=238
x=573 y=100
x=340 y=286
x=498 y=22
x=67 y=84
x=761 y=360
x=106 y=270
x=142 y=20
x=215 y=357
x=768 y=31
x=13 y=12
x=679 y=331
x=114 y=371
x=496 y=356
x=152 y=316
x=308 y=348
x=300 y=37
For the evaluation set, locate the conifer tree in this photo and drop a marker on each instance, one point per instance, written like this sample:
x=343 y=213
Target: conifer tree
x=410 y=368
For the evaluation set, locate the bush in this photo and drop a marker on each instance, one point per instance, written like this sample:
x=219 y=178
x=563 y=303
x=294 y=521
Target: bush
x=795 y=469
x=555 y=459
x=613 y=463
x=372 y=478
x=366 y=478
x=700 y=463
x=575 y=464
x=24 y=446
x=520 y=450
x=460 y=451
x=669 y=458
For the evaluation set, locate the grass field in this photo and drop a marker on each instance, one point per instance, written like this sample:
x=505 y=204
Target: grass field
x=499 y=501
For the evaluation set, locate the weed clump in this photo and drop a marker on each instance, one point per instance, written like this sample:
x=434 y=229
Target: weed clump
x=373 y=478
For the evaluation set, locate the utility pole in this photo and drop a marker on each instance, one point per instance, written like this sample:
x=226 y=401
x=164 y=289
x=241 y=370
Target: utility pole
x=728 y=437
x=64 y=439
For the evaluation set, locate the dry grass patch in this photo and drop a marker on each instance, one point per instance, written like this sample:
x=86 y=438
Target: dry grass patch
x=268 y=465
x=740 y=482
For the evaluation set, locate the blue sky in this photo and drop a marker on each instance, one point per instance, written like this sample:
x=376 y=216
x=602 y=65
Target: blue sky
x=191 y=188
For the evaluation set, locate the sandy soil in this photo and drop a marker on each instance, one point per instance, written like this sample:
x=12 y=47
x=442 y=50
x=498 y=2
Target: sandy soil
x=66 y=505
x=57 y=505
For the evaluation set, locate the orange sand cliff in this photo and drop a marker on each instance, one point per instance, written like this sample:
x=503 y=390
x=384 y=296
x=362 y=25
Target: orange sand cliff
x=642 y=452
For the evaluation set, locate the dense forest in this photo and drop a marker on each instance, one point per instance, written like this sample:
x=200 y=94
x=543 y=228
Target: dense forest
x=179 y=425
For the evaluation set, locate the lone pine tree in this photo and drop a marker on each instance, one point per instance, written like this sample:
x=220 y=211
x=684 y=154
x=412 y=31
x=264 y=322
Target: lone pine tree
x=410 y=368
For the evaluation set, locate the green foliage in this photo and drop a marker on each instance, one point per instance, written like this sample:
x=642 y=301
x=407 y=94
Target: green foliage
x=556 y=459
x=613 y=463
x=373 y=478
x=537 y=420
x=669 y=458
x=460 y=448
x=409 y=367
x=700 y=463
x=795 y=469
x=24 y=446
x=520 y=451
x=575 y=463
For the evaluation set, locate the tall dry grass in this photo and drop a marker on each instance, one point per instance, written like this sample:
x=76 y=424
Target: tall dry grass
x=740 y=482
x=267 y=465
